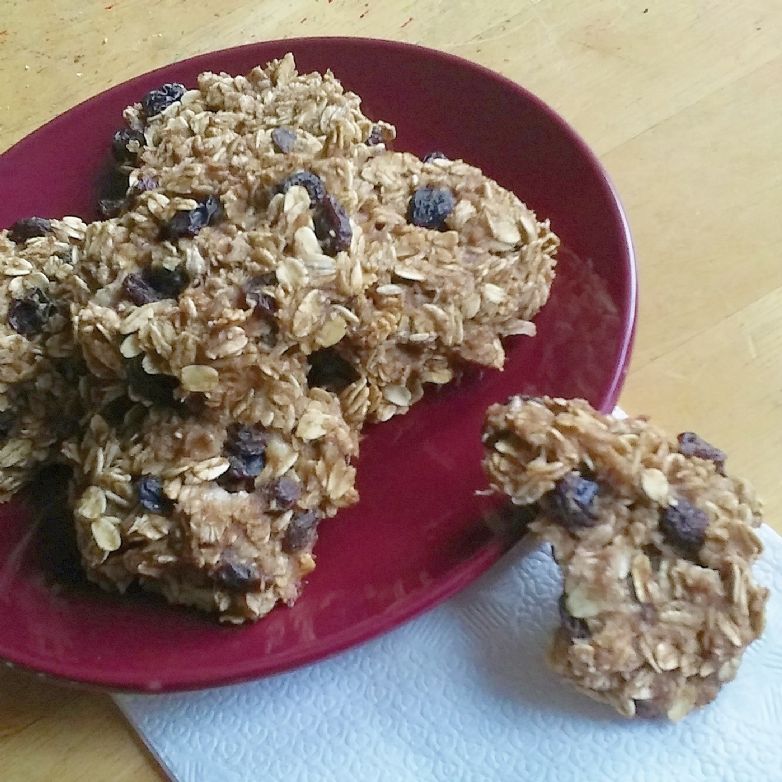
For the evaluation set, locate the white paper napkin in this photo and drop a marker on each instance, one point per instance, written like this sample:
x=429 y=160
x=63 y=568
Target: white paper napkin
x=463 y=693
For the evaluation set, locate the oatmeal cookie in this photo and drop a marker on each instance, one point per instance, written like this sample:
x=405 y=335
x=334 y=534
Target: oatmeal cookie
x=212 y=512
x=178 y=137
x=389 y=271
x=655 y=543
x=39 y=363
x=163 y=320
x=331 y=264
x=458 y=264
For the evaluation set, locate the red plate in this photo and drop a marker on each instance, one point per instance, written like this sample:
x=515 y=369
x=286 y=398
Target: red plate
x=418 y=535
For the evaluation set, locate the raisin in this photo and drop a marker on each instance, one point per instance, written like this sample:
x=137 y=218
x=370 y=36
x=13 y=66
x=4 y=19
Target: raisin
x=332 y=226
x=7 y=423
x=149 y=489
x=245 y=447
x=126 y=145
x=213 y=208
x=692 y=445
x=302 y=532
x=161 y=98
x=169 y=283
x=312 y=183
x=142 y=185
x=375 y=136
x=237 y=576
x=429 y=207
x=684 y=526
x=575 y=628
x=189 y=222
x=243 y=468
x=283 y=493
x=29 y=227
x=111 y=207
x=330 y=371
x=284 y=139
x=155 y=284
x=263 y=304
x=571 y=502
x=158 y=389
x=430 y=156
x=29 y=315
x=138 y=291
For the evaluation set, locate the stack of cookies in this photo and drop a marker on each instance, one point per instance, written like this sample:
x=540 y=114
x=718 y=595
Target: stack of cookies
x=206 y=356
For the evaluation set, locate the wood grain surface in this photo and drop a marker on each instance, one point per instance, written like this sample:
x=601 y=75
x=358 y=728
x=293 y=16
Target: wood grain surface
x=681 y=101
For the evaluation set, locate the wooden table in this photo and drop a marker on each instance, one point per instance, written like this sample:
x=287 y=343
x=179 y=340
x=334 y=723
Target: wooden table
x=681 y=100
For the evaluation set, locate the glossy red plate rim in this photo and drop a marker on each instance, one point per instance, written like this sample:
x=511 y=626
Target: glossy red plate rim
x=460 y=576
